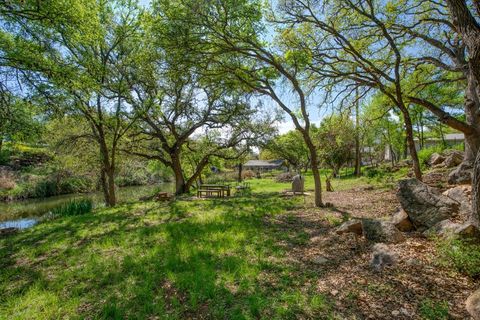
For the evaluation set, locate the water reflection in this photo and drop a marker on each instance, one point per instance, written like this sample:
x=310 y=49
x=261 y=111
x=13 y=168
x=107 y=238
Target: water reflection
x=24 y=214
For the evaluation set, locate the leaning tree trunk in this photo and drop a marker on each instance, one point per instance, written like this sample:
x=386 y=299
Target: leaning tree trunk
x=411 y=144
x=476 y=192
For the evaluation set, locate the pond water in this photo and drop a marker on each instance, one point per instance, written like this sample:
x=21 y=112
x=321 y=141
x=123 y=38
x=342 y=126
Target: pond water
x=24 y=214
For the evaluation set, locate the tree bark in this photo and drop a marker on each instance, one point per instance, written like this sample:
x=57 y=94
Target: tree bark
x=180 y=185
x=358 y=154
x=475 y=219
x=112 y=199
x=315 y=171
x=411 y=144
x=240 y=169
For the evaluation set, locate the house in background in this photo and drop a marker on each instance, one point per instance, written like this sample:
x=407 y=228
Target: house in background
x=264 y=165
x=450 y=140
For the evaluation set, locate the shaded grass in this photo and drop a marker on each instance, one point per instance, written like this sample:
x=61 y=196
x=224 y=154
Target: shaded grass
x=207 y=258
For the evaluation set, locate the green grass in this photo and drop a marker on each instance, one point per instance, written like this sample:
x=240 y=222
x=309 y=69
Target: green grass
x=462 y=255
x=217 y=259
x=431 y=310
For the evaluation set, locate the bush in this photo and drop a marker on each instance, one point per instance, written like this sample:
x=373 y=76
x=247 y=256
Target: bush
x=425 y=154
x=284 y=177
x=73 y=208
x=373 y=172
x=463 y=255
x=248 y=174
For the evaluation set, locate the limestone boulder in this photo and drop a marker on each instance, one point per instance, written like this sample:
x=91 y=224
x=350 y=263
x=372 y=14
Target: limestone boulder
x=473 y=305
x=463 y=195
x=382 y=256
x=461 y=175
x=453 y=159
x=352 y=226
x=436 y=159
x=424 y=205
x=401 y=221
x=381 y=231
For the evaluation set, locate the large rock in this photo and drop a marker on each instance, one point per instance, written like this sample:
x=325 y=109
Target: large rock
x=435 y=178
x=425 y=205
x=352 y=226
x=382 y=256
x=401 y=221
x=473 y=305
x=463 y=195
x=436 y=159
x=453 y=159
x=461 y=175
x=448 y=228
x=381 y=231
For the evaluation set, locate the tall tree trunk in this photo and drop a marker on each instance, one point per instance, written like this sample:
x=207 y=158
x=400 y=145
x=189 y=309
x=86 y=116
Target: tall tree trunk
x=411 y=144
x=358 y=154
x=316 y=172
x=1 y=142
x=240 y=169
x=111 y=199
x=180 y=185
x=108 y=173
x=472 y=117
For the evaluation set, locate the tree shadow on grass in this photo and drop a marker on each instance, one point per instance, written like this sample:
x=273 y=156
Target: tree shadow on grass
x=178 y=265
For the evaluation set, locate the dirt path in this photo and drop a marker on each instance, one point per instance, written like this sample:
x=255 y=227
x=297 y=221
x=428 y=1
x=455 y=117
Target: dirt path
x=416 y=287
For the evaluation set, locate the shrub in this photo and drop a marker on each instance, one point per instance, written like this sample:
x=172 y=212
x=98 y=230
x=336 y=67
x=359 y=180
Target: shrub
x=463 y=255
x=248 y=174
x=373 y=172
x=73 y=208
x=284 y=177
x=425 y=154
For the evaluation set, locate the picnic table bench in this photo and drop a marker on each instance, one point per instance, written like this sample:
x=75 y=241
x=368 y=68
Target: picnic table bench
x=213 y=190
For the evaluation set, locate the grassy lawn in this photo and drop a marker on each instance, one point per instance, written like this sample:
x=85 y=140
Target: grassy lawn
x=211 y=259
x=250 y=257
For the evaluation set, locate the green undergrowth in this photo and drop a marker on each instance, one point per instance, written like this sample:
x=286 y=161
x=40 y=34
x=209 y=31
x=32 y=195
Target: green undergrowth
x=462 y=255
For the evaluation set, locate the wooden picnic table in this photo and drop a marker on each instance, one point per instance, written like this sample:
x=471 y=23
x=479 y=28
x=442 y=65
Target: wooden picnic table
x=213 y=190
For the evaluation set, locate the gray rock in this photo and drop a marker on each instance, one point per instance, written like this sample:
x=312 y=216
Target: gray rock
x=320 y=260
x=352 y=226
x=425 y=205
x=448 y=228
x=453 y=159
x=463 y=195
x=401 y=221
x=382 y=256
x=473 y=305
x=381 y=231
x=435 y=159
x=461 y=175
x=444 y=228
x=298 y=184
x=467 y=230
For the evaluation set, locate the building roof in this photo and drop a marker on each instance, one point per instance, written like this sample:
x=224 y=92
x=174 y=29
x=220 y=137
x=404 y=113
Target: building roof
x=454 y=136
x=448 y=137
x=264 y=163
